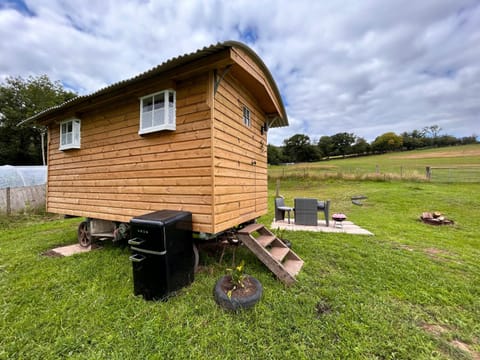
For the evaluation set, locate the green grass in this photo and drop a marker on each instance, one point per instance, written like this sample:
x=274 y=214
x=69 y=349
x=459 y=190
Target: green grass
x=463 y=163
x=410 y=292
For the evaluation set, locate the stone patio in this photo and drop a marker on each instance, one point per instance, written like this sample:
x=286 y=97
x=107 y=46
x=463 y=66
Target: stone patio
x=347 y=227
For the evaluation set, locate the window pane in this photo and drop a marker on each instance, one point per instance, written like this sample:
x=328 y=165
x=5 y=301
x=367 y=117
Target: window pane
x=159 y=101
x=76 y=138
x=69 y=138
x=158 y=117
x=69 y=126
x=171 y=107
x=171 y=115
x=147 y=119
x=246 y=116
x=147 y=104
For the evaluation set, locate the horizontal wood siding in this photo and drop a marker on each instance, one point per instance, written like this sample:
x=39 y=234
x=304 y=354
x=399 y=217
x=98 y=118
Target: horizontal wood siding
x=240 y=186
x=118 y=174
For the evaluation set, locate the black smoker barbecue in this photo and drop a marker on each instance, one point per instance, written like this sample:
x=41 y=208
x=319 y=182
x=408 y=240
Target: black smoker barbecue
x=162 y=253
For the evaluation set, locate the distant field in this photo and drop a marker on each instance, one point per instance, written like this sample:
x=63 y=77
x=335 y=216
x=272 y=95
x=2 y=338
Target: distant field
x=450 y=164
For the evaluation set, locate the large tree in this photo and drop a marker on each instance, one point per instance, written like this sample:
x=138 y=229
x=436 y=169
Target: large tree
x=21 y=98
x=415 y=139
x=342 y=143
x=299 y=149
x=387 y=142
x=274 y=154
x=325 y=146
x=361 y=146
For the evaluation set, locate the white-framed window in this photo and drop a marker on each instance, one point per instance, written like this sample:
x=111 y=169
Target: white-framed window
x=246 y=116
x=70 y=134
x=157 y=112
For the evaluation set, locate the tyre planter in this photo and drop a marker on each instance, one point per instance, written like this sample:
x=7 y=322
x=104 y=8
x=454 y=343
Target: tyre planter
x=243 y=298
x=287 y=243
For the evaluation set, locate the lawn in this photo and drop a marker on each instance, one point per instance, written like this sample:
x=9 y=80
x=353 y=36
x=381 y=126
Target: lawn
x=410 y=292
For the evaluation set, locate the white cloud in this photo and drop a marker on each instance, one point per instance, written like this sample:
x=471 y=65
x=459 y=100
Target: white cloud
x=364 y=67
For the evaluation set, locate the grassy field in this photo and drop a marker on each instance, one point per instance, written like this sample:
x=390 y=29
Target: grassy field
x=451 y=164
x=410 y=292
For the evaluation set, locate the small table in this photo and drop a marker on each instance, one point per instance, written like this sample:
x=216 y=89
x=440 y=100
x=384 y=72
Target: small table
x=338 y=218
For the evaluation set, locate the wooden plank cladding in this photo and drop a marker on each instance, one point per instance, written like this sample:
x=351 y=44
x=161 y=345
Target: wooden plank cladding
x=239 y=156
x=212 y=164
x=119 y=173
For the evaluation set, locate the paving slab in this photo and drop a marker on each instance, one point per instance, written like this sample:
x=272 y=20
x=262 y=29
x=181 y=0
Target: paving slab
x=347 y=227
x=72 y=249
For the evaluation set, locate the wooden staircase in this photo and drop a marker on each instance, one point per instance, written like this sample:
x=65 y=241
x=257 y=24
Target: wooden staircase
x=282 y=261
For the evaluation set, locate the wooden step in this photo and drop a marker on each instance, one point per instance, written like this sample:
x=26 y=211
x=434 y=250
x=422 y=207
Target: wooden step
x=266 y=240
x=279 y=253
x=251 y=229
x=281 y=260
x=293 y=266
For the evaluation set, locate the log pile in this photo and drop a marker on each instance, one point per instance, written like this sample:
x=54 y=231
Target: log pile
x=435 y=218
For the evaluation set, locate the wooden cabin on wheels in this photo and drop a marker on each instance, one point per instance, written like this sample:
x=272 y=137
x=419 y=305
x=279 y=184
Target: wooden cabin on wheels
x=189 y=134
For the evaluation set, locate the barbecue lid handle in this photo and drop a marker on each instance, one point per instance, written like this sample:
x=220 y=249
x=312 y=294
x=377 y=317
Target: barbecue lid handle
x=136 y=241
x=137 y=258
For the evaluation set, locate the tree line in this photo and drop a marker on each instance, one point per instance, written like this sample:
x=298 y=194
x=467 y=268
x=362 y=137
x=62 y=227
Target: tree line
x=21 y=98
x=299 y=147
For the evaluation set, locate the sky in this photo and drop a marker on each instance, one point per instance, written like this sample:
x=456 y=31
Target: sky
x=363 y=67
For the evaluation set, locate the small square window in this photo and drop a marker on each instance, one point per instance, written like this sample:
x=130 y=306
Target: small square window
x=157 y=112
x=246 y=116
x=70 y=134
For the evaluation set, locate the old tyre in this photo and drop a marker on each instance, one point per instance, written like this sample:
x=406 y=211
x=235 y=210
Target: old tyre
x=237 y=302
x=84 y=237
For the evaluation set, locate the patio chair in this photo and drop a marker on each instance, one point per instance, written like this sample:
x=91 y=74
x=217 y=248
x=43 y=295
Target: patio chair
x=306 y=211
x=325 y=207
x=280 y=209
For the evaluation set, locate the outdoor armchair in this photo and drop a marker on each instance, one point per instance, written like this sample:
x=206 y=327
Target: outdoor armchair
x=306 y=211
x=280 y=209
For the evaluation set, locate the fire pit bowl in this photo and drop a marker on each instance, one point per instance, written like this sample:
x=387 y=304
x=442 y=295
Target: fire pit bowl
x=339 y=217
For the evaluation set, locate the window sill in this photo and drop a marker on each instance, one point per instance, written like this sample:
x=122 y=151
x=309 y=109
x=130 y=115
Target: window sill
x=69 y=147
x=170 y=127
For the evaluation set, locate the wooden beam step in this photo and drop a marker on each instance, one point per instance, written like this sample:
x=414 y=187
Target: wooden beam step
x=110 y=234
x=247 y=230
x=293 y=266
x=266 y=240
x=279 y=253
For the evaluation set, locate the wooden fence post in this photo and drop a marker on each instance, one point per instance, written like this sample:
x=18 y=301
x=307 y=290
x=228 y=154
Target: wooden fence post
x=277 y=189
x=428 y=173
x=7 y=197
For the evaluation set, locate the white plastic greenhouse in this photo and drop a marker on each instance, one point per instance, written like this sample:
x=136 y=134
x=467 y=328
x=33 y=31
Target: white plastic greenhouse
x=21 y=176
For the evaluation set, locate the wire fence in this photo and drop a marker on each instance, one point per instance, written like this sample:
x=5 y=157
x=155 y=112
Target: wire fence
x=455 y=174
x=387 y=173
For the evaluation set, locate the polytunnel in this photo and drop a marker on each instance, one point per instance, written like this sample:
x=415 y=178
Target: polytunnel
x=20 y=176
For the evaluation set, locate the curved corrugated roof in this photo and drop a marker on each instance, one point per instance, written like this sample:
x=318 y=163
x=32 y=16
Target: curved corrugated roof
x=167 y=65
